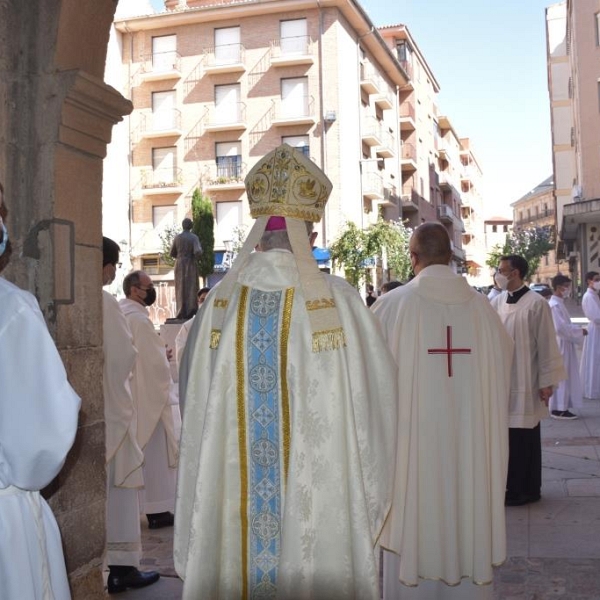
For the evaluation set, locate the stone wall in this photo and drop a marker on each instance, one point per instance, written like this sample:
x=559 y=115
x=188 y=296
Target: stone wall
x=56 y=117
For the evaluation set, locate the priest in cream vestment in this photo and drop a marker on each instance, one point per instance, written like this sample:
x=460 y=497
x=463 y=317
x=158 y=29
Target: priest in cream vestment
x=38 y=423
x=289 y=417
x=151 y=388
x=590 y=356
x=446 y=529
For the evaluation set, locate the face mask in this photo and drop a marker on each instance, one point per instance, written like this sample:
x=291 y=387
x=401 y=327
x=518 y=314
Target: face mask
x=596 y=286
x=567 y=293
x=501 y=281
x=4 y=237
x=150 y=298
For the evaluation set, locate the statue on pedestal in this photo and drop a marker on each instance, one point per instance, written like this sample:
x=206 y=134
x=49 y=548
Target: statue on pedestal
x=186 y=250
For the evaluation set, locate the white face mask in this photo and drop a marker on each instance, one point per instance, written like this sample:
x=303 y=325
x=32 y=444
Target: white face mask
x=596 y=286
x=501 y=281
x=567 y=293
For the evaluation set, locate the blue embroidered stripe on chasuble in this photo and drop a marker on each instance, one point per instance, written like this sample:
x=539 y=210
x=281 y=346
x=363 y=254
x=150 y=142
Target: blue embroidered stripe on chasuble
x=264 y=433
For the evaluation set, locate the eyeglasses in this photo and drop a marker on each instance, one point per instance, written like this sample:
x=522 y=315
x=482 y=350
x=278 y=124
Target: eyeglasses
x=139 y=287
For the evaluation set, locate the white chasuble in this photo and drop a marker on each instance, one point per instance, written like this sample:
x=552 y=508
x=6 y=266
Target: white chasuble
x=287 y=454
x=590 y=357
x=38 y=423
x=447 y=520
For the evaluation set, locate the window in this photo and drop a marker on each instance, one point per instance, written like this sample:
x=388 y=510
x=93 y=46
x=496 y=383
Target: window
x=545 y=210
x=494 y=228
x=228 y=49
x=164 y=52
x=228 y=219
x=163 y=216
x=229 y=160
x=155 y=265
x=227 y=103
x=294 y=97
x=597 y=19
x=297 y=141
x=505 y=228
x=294 y=38
x=164 y=165
x=163 y=110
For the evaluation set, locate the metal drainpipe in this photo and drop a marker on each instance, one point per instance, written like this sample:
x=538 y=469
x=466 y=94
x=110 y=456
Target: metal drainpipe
x=129 y=145
x=322 y=121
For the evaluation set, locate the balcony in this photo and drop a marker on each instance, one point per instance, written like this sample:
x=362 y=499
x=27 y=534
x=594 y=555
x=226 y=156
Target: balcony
x=390 y=197
x=408 y=69
x=163 y=123
x=445 y=214
x=410 y=202
x=296 y=111
x=228 y=176
x=408 y=160
x=228 y=117
x=228 y=58
x=372 y=186
x=160 y=66
x=386 y=148
x=371 y=132
x=370 y=80
x=446 y=182
x=162 y=181
x=407 y=116
x=385 y=101
x=290 y=51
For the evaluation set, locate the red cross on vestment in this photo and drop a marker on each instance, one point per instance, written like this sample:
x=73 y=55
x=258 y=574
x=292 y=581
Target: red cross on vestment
x=449 y=350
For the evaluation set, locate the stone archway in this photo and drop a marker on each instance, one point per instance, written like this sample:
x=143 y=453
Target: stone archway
x=56 y=118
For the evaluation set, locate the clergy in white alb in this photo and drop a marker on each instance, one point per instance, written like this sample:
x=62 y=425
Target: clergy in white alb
x=288 y=440
x=151 y=389
x=590 y=356
x=537 y=367
x=568 y=394
x=124 y=457
x=446 y=529
x=38 y=423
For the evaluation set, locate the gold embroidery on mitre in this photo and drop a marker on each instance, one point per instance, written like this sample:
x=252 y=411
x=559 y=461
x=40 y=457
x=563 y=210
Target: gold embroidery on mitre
x=215 y=338
x=320 y=303
x=328 y=340
x=286 y=183
x=221 y=303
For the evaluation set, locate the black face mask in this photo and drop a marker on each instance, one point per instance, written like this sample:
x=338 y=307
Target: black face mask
x=150 y=298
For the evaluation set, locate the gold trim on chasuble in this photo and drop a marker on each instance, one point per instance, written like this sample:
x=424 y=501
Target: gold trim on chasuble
x=241 y=411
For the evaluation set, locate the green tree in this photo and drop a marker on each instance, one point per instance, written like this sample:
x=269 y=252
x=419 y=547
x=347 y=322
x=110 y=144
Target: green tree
x=355 y=249
x=166 y=236
x=203 y=226
x=532 y=244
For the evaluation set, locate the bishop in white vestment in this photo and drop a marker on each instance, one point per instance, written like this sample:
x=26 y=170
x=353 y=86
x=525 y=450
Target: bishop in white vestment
x=38 y=423
x=446 y=529
x=590 y=357
x=151 y=388
x=568 y=394
x=289 y=420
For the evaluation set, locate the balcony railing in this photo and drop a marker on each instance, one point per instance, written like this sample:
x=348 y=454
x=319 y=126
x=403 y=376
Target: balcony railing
x=371 y=131
x=296 y=50
x=409 y=152
x=161 y=123
x=407 y=110
x=370 y=80
x=372 y=185
x=387 y=147
x=229 y=175
x=298 y=111
x=226 y=117
x=533 y=218
x=167 y=179
x=226 y=58
x=161 y=65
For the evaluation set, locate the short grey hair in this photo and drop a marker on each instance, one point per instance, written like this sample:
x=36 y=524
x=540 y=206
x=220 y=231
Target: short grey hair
x=279 y=238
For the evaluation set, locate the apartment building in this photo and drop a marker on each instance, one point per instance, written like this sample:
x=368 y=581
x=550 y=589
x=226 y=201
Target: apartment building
x=536 y=209
x=573 y=57
x=440 y=174
x=216 y=86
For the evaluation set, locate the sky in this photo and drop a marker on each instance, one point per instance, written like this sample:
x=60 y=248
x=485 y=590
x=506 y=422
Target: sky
x=490 y=61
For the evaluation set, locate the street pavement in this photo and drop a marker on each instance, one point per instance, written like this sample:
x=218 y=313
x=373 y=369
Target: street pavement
x=553 y=545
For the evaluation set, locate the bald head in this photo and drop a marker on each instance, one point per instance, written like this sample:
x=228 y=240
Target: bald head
x=430 y=245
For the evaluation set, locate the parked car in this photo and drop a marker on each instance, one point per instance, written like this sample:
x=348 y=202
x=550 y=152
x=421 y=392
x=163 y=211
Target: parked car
x=538 y=287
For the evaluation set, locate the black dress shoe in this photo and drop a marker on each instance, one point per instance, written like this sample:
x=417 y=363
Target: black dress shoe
x=520 y=500
x=121 y=579
x=158 y=520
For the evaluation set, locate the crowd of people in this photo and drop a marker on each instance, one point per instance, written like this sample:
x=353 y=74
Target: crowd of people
x=307 y=435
